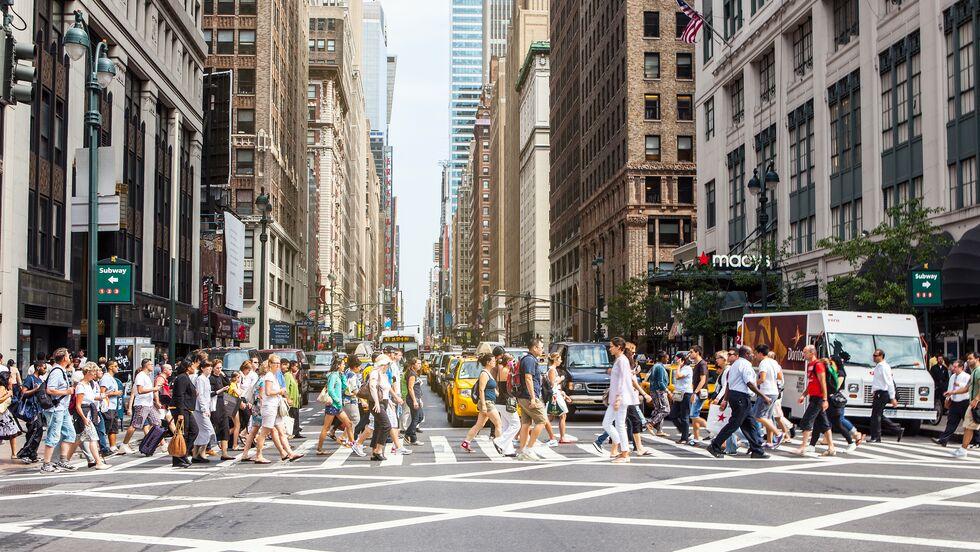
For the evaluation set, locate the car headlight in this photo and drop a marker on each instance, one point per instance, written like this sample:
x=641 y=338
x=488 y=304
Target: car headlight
x=923 y=391
x=464 y=393
x=578 y=387
x=852 y=387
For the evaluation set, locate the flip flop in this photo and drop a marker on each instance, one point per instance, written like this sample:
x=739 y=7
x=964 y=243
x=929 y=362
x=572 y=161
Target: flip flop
x=262 y=462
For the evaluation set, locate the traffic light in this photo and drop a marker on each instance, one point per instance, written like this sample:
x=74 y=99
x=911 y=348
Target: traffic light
x=17 y=79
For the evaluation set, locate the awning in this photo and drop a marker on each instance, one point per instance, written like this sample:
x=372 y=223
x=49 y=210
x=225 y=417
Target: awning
x=961 y=271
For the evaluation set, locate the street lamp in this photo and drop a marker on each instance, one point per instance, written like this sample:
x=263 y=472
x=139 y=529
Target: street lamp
x=333 y=280
x=761 y=189
x=597 y=265
x=265 y=207
x=101 y=71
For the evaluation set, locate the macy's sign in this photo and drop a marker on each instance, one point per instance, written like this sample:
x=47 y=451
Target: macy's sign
x=742 y=262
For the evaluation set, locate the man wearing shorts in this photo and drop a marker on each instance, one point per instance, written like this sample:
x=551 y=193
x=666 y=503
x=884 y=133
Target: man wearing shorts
x=528 y=398
x=145 y=413
x=699 y=394
x=971 y=425
x=817 y=402
x=769 y=374
x=61 y=430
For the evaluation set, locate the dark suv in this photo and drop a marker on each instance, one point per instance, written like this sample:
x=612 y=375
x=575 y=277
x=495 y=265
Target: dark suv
x=586 y=369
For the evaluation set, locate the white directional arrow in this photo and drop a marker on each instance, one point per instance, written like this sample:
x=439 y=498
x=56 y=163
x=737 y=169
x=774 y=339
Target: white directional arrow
x=926 y=285
x=113 y=280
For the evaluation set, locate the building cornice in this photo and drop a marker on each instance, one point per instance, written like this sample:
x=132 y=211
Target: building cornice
x=541 y=47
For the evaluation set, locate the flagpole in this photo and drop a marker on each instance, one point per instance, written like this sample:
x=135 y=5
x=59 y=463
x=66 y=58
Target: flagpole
x=704 y=21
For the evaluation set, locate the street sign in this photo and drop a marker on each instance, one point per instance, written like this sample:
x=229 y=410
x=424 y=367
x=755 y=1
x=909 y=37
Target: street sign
x=110 y=213
x=280 y=333
x=114 y=283
x=926 y=288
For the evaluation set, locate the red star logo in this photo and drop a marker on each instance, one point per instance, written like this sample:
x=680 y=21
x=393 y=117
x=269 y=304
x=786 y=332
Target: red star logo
x=721 y=417
x=703 y=259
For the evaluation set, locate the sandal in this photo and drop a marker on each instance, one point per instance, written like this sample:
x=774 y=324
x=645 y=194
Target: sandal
x=321 y=452
x=829 y=453
x=226 y=458
x=262 y=461
x=295 y=457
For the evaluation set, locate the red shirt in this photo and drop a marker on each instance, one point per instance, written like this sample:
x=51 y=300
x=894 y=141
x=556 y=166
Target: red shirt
x=814 y=375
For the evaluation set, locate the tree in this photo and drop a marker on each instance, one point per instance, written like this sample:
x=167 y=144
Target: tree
x=629 y=307
x=882 y=258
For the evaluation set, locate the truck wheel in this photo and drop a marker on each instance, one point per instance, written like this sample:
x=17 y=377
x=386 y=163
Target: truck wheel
x=912 y=427
x=938 y=417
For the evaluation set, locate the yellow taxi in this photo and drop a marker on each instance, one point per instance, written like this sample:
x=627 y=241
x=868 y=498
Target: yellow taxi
x=671 y=370
x=461 y=377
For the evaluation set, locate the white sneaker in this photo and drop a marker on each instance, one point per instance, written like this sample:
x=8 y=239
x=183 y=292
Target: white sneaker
x=534 y=455
x=403 y=450
x=552 y=443
x=852 y=447
x=125 y=449
x=102 y=466
x=527 y=456
x=960 y=452
x=358 y=450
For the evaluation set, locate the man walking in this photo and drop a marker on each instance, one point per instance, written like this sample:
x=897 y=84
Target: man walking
x=769 y=374
x=109 y=387
x=145 y=413
x=660 y=404
x=699 y=392
x=741 y=378
x=533 y=415
x=817 y=396
x=957 y=400
x=61 y=430
x=31 y=412
x=883 y=389
x=971 y=424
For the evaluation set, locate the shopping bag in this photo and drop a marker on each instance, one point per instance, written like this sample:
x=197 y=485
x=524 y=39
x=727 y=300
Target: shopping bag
x=717 y=418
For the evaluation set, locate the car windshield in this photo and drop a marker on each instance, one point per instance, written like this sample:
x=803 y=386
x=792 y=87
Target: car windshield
x=856 y=350
x=588 y=356
x=320 y=359
x=286 y=355
x=233 y=360
x=470 y=370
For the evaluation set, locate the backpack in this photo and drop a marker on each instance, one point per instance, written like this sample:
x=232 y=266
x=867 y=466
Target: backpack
x=46 y=401
x=830 y=373
x=514 y=379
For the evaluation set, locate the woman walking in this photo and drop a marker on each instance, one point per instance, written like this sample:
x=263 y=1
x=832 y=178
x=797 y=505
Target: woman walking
x=233 y=404
x=484 y=393
x=202 y=415
x=255 y=416
x=183 y=405
x=273 y=394
x=85 y=411
x=559 y=399
x=506 y=403
x=414 y=399
x=680 y=412
x=9 y=428
x=620 y=390
x=30 y=412
x=219 y=411
x=334 y=405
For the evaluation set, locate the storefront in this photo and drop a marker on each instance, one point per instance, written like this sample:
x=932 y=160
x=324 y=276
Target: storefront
x=45 y=316
x=955 y=327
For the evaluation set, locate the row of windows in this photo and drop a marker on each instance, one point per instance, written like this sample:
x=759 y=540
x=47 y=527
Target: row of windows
x=227 y=7
x=685 y=107
x=225 y=44
x=685 y=148
x=651 y=24
x=684 y=67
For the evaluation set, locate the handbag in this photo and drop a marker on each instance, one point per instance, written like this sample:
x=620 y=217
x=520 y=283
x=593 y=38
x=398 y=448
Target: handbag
x=324 y=397
x=177 y=446
x=283 y=409
x=838 y=400
x=511 y=404
x=553 y=408
x=975 y=413
x=678 y=396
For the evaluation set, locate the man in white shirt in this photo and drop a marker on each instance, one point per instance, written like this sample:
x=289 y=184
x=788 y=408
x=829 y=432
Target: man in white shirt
x=957 y=400
x=883 y=392
x=768 y=382
x=110 y=388
x=144 y=412
x=740 y=379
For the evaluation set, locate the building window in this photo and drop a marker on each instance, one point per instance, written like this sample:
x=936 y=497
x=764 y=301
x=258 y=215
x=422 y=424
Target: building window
x=651 y=24
x=246 y=7
x=846 y=22
x=845 y=125
x=736 y=100
x=331 y=45
x=226 y=42
x=802 y=197
x=685 y=107
x=651 y=109
x=846 y=219
x=756 y=5
x=902 y=193
x=685 y=190
x=246 y=81
x=960 y=72
x=245 y=162
x=709 y=36
x=803 y=47
x=653 y=147
x=245 y=121
x=486 y=184
x=685 y=66
x=651 y=231
x=736 y=196
x=226 y=7
x=652 y=192
x=732 y=13
x=709 y=118
x=685 y=148
x=680 y=23
x=901 y=114
x=963 y=189
x=162 y=203
x=670 y=232
x=651 y=65
x=486 y=158
x=710 y=202
x=765 y=154
x=246 y=42
x=767 y=77
x=209 y=40
x=959 y=22
x=802 y=233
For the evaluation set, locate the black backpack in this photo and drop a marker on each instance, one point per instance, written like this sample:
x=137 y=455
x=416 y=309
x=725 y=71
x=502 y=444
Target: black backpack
x=46 y=401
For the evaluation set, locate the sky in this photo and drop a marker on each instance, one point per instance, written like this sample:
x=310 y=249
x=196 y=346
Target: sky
x=418 y=33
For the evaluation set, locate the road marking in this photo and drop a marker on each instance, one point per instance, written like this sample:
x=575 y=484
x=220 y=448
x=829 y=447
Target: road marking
x=591 y=450
x=443 y=452
x=393 y=459
x=936 y=544
x=548 y=453
x=338 y=458
x=695 y=450
x=487 y=447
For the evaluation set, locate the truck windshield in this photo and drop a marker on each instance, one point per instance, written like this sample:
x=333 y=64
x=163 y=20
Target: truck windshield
x=588 y=356
x=856 y=349
x=233 y=360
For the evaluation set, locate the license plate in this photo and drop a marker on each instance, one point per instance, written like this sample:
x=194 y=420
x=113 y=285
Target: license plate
x=891 y=412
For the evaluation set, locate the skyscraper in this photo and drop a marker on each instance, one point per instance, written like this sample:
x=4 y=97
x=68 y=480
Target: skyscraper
x=496 y=19
x=466 y=78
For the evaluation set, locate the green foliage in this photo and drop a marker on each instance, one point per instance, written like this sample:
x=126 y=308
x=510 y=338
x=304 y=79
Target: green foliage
x=882 y=259
x=631 y=308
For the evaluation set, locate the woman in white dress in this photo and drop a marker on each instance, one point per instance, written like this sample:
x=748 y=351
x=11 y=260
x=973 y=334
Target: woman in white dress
x=273 y=393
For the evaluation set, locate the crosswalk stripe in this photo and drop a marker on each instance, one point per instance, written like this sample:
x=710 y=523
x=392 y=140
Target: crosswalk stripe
x=487 y=447
x=887 y=450
x=695 y=450
x=338 y=458
x=443 y=452
x=548 y=453
x=393 y=459
x=926 y=451
x=589 y=449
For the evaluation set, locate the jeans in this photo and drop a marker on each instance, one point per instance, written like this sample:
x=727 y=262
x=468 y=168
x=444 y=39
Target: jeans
x=836 y=417
x=415 y=416
x=294 y=414
x=845 y=423
x=103 y=436
x=32 y=439
x=955 y=414
x=878 y=418
x=60 y=428
x=681 y=414
x=741 y=419
x=616 y=432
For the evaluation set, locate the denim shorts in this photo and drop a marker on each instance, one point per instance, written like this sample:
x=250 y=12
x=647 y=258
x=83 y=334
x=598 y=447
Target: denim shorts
x=763 y=410
x=60 y=428
x=696 y=407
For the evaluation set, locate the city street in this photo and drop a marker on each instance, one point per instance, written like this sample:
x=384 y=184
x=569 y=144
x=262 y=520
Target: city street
x=906 y=496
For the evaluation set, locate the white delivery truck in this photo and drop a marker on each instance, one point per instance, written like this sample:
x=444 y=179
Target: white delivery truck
x=853 y=337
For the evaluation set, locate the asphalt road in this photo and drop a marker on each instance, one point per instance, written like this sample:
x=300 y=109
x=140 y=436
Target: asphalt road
x=888 y=497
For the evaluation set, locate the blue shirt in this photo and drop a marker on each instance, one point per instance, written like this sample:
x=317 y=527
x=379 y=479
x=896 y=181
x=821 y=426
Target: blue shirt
x=740 y=375
x=57 y=379
x=281 y=378
x=658 y=377
x=529 y=365
x=489 y=390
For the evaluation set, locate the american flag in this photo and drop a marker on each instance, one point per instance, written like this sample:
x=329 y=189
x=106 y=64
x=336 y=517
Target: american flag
x=690 y=33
